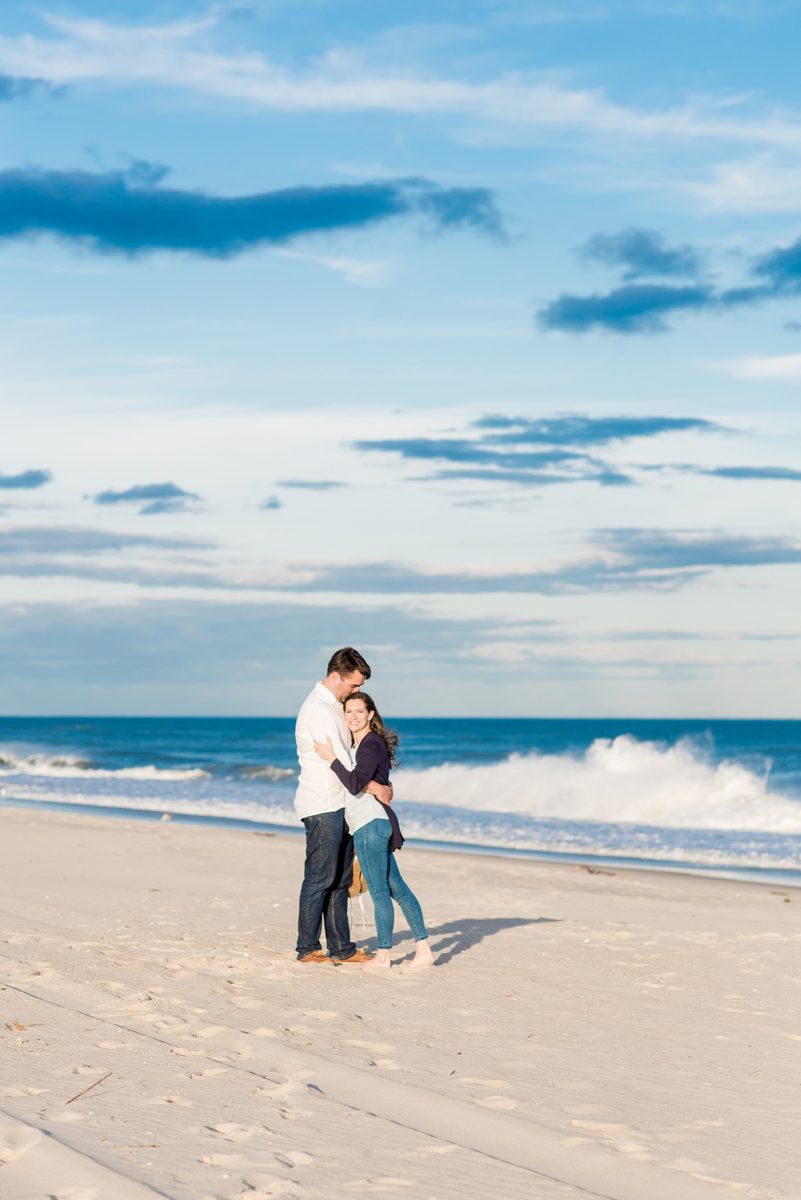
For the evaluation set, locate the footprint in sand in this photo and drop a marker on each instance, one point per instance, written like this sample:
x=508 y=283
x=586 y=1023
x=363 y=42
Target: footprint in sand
x=321 y=1014
x=373 y=1047
x=78 y=1193
x=16 y=1140
x=620 y=1138
x=488 y=1083
x=207 y=1073
x=222 y=1160
x=231 y=1132
x=64 y=1116
x=269 y=1188
x=380 y=1184
x=111 y=1045
x=499 y=1102
x=294 y=1158
x=247 y=1002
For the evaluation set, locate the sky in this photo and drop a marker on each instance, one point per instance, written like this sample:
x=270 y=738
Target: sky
x=468 y=334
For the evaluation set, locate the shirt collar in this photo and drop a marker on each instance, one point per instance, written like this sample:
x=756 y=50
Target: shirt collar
x=324 y=694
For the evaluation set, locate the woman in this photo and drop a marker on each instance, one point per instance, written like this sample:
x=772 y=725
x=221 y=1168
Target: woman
x=373 y=831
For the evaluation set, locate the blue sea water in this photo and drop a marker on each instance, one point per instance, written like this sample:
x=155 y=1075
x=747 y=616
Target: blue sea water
x=719 y=795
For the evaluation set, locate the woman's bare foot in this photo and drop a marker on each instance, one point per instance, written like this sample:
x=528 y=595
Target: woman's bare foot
x=378 y=964
x=422 y=956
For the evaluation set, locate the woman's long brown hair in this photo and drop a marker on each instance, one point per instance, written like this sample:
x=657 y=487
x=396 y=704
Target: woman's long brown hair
x=388 y=736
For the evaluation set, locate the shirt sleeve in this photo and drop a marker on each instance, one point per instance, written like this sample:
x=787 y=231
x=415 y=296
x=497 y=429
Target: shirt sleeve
x=368 y=758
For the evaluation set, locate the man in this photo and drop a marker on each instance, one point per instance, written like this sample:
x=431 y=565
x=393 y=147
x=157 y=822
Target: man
x=320 y=804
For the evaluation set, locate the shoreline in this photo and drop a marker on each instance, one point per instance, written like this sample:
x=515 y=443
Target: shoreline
x=784 y=877
x=619 y=1034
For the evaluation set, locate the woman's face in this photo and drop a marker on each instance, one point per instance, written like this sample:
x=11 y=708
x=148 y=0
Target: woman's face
x=357 y=718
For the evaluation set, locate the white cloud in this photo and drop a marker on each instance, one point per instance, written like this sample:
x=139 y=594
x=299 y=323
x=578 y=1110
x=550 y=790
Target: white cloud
x=362 y=271
x=760 y=184
x=180 y=55
x=779 y=367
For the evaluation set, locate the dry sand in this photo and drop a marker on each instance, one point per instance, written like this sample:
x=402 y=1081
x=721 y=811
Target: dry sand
x=620 y=1034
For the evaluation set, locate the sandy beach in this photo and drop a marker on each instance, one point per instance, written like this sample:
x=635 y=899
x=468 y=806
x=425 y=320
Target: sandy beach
x=617 y=1033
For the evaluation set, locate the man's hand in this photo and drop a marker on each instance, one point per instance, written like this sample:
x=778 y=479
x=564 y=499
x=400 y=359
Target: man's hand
x=382 y=791
x=325 y=750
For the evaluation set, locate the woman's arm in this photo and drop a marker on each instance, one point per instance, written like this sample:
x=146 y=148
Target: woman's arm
x=368 y=760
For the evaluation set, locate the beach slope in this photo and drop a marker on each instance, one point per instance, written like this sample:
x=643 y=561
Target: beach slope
x=604 y=1033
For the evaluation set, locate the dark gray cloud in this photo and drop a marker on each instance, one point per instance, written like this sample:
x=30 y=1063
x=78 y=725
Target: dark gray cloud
x=633 y=308
x=153 y=497
x=781 y=268
x=786 y=474
x=576 y=429
x=498 y=451
x=25 y=479
x=645 y=559
x=71 y=539
x=530 y=479
x=18 y=87
x=636 y=308
x=311 y=485
x=647 y=549
x=642 y=252
x=226 y=657
x=130 y=212
x=741 y=473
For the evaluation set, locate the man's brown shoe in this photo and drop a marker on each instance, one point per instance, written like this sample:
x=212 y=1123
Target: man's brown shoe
x=361 y=956
x=316 y=956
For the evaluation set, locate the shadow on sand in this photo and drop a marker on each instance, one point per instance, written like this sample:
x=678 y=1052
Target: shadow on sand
x=454 y=937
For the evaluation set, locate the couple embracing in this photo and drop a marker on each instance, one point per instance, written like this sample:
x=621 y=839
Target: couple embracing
x=344 y=800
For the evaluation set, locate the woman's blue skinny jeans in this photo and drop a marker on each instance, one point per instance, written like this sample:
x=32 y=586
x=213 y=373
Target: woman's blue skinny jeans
x=386 y=883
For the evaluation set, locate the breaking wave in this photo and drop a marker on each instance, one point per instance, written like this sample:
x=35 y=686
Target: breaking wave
x=66 y=766
x=620 y=780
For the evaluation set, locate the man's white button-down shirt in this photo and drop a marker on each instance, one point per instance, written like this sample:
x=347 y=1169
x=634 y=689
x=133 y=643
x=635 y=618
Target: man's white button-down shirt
x=321 y=716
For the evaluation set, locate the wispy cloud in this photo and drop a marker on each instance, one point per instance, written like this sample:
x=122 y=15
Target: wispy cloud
x=271 y=504
x=182 y=55
x=626 y=560
x=25 y=479
x=749 y=474
x=44 y=540
x=364 y=272
x=767 y=367
x=642 y=252
x=617 y=560
x=311 y=485
x=636 y=308
x=18 y=87
x=130 y=212
x=497 y=448
x=153 y=498
x=577 y=429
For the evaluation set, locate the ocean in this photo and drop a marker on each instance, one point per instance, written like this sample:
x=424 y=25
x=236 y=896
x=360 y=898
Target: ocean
x=721 y=796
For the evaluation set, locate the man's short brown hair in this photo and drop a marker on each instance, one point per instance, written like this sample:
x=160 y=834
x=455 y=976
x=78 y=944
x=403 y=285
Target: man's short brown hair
x=346 y=661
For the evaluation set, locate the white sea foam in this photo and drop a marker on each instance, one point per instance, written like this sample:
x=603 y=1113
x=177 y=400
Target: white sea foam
x=67 y=766
x=620 y=780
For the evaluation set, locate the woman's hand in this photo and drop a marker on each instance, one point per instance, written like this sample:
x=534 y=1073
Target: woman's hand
x=325 y=750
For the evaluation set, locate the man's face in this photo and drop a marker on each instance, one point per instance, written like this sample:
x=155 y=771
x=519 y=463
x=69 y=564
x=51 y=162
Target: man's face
x=347 y=685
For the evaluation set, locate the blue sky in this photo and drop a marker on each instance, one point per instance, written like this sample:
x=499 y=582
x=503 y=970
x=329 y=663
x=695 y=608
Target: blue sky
x=468 y=334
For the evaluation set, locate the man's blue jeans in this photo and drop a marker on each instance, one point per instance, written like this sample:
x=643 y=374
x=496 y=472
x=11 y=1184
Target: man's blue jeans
x=326 y=879
x=386 y=882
